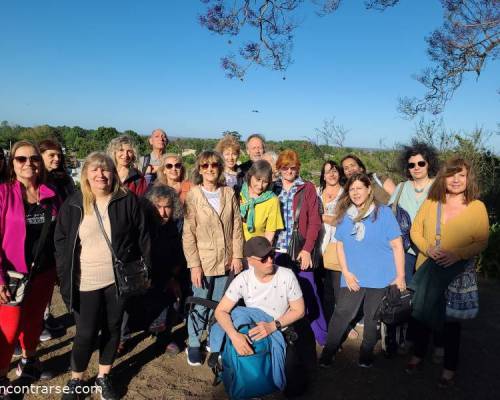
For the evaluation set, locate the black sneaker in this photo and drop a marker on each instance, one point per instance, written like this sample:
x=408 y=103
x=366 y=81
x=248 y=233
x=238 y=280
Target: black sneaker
x=31 y=368
x=193 y=356
x=326 y=359
x=106 y=389
x=51 y=324
x=73 y=390
x=365 y=362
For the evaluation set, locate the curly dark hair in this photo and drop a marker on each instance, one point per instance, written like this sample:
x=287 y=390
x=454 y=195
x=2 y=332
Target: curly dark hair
x=428 y=153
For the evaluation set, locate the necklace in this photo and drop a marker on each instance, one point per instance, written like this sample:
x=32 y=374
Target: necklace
x=420 y=190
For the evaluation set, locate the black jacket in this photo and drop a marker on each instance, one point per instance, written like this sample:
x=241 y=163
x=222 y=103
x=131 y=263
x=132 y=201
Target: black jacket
x=129 y=237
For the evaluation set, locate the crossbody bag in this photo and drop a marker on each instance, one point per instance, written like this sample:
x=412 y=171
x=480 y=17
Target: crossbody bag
x=132 y=278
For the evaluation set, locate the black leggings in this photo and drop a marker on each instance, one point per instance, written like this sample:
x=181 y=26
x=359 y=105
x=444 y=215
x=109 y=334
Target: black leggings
x=100 y=310
x=346 y=309
x=330 y=292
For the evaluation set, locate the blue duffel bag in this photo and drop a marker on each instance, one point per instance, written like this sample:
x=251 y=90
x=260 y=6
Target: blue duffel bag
x=250 y=376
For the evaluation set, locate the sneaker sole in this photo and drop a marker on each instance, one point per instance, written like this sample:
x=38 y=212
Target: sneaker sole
x=191 y=363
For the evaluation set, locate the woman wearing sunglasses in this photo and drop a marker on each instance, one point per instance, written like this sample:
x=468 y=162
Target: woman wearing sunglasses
x=25 y=204
x=212 y=240
x=292 y=189
x=123 y=152
x=173 y=173
x=420 y=164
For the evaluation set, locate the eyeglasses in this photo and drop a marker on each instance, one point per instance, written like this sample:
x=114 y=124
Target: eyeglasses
x=284 y=169
x=264 y=259
x=206 y=165
x=23 y=159
x=176 y=166
x=421 y=164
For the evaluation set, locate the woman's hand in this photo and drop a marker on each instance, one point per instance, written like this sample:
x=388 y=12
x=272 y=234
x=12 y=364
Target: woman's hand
x=262 y=330
x=446 y=258
x=196 y=276
x=4 y=294
x=351 y=281
x=305 y=260
x=400 y=282
x=433 y=252
x=242 y=344
x=236 y=266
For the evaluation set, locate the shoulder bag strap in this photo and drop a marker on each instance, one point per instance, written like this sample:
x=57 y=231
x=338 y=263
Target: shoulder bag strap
x=396 y=200
x=103 y=231
x=47 y=214
x=297 y=210
x=438 y=224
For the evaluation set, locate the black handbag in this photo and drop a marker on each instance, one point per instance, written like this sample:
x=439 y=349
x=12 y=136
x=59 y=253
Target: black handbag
x=17 y=282
x=395 y=307
x=132 y=278
x=297 y=242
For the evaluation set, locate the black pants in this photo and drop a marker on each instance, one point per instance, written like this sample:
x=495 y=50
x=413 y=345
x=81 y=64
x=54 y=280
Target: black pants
x=331 y=288
x=300 y=362
x=449 y=338
x=348 y=305
x=100 y=310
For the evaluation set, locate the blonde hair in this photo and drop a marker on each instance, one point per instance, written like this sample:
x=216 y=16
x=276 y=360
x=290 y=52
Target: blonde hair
x=161 y=175
x=117 y=143
x=105 y=162
x=228 y=142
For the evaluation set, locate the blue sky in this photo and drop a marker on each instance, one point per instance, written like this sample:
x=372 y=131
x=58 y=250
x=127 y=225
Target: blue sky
x=141 y=65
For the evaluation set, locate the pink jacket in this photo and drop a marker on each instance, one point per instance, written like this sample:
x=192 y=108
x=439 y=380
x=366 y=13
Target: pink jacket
x=13 y=225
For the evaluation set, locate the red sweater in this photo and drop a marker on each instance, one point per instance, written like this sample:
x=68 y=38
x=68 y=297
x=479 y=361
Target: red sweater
x=309 y=217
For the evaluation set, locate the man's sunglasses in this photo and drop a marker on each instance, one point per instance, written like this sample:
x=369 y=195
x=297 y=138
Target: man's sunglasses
x=264 y=259
x=24 y=159
x=421 y=164
x=176 y=166
x=206 y=165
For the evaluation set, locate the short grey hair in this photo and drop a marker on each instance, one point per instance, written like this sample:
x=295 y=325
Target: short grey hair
x=160 y=191
x=257 y=136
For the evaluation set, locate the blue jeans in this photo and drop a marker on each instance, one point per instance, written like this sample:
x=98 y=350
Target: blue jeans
x=196 y=320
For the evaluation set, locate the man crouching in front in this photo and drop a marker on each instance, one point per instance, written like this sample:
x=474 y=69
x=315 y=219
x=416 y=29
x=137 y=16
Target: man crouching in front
x=276 y=291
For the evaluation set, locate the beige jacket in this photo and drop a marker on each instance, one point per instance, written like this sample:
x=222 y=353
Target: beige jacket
x=211 y=240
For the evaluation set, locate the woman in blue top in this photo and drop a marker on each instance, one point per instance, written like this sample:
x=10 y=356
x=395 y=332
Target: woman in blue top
x=371 y=256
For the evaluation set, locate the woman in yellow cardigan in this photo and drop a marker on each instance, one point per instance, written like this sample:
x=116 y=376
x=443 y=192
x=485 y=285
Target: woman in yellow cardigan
x=464 y=234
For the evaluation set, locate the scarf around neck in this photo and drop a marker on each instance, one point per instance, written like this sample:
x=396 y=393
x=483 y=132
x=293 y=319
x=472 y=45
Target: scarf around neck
x=247 y=207
x=358 y=230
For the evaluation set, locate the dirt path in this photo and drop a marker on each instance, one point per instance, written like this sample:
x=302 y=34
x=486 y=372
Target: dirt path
x=147 y=373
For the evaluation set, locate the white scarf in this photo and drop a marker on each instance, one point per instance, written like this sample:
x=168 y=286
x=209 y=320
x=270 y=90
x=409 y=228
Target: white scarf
x=359 y=227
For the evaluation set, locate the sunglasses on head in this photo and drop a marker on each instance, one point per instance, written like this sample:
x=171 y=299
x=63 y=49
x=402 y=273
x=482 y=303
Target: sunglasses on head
x=206 y=165
x=264 y=259
x=24 y=159
x=176 y=166
x=421 y=164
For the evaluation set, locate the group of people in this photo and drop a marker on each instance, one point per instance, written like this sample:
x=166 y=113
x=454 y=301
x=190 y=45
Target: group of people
x=316 y=260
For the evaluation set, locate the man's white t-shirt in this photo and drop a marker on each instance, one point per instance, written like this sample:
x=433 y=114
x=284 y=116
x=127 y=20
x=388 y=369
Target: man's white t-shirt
x=272 y=297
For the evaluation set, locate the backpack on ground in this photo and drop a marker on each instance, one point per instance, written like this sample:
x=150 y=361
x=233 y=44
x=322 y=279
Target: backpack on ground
x=245 y=377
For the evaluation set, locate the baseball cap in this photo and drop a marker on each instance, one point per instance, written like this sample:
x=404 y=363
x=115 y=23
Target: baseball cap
x=257 y=246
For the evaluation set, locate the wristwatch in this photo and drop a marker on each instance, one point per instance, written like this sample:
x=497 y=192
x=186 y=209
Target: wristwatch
x=278 y=325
